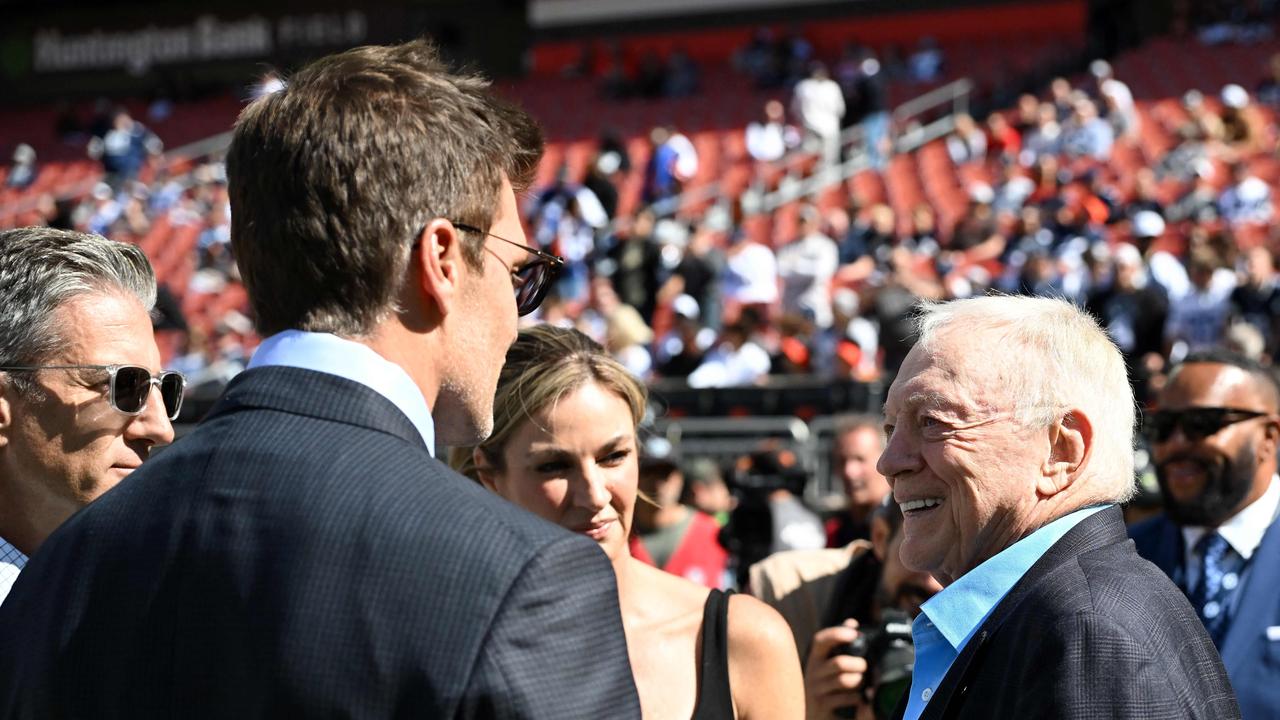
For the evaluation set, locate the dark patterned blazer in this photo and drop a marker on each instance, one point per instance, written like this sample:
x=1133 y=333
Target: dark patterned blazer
x=1251 y=647
x=301 y=555
x=1091 y=631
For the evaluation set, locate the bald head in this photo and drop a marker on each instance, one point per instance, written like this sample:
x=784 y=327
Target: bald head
x=1258 y=380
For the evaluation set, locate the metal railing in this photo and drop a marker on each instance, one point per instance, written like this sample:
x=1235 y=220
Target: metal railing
x=725 y=439
x=908 y=130
x=909 y=133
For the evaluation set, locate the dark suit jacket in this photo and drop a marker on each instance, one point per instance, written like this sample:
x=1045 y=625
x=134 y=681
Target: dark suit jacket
x=1252 y=659
x=302 y=555
x=1091 y=631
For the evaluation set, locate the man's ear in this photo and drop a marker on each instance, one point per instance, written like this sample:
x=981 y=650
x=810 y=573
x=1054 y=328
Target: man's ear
x=1070 y=447
x=1270 y=438
x=484 y=471
x=437 y=263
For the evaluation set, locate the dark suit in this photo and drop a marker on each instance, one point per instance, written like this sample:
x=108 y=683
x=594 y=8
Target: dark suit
x=302 y=555
x=1091 y=631
x=1252 y=659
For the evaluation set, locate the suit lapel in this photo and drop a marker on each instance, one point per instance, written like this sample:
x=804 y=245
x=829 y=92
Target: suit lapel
x=317 y=395
x=954 y=688
x=1105 y=527
x=1257 y=600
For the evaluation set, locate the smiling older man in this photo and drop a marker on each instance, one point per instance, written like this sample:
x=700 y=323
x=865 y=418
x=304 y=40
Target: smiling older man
x=1010 y=428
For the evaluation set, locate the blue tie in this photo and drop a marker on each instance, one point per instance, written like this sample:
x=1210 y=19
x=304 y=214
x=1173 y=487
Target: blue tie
x=1210 y=595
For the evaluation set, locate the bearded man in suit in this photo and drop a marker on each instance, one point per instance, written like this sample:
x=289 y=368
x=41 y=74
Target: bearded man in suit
x=1214 y=438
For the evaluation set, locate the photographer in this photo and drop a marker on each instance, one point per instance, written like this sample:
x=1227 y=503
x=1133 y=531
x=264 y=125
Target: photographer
x=850 y=609
x=768 y=515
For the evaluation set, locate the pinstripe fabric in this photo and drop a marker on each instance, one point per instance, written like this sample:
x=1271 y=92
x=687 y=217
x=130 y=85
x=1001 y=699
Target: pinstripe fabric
x=1092 y=631
x=301 y=555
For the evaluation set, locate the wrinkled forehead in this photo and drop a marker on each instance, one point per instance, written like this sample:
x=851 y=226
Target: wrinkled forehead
x=951 y=374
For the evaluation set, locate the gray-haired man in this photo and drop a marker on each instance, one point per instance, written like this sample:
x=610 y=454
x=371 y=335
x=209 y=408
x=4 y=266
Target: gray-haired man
x=82 y=401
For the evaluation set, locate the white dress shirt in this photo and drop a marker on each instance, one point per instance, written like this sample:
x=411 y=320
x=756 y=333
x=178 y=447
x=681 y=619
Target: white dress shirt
x=326 y=353
x=12 y=560
x=1243 y=531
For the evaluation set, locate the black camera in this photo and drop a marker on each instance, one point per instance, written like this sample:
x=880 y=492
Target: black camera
x=748 y=536
x=890 y=653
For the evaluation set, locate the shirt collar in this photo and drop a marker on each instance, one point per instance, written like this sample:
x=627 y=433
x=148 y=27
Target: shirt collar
x=328 y=353
x=12 y=561
x=964 y=605
x=10 y=555
x=1244 y=530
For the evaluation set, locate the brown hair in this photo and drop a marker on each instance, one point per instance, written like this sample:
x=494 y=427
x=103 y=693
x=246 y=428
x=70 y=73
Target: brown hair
x=545 y=364
x=332 y=178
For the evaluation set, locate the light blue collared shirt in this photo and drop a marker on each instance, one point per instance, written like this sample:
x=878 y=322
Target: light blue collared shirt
x=331 y=354
x=948 y=619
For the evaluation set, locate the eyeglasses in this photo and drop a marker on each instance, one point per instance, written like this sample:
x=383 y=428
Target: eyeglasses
x=533 y=278
x=1196 y=423
x=130 y=386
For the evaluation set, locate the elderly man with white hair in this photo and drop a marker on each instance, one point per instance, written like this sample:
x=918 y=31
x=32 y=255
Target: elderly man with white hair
x=1010 y=430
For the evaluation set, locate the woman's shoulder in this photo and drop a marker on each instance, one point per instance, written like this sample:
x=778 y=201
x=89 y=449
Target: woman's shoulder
x=755 y=627
x=764 y=665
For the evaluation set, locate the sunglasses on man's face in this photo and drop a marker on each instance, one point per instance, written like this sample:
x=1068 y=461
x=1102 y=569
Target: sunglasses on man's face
x=130 y=386
x=1196 y=423
x=532 y=279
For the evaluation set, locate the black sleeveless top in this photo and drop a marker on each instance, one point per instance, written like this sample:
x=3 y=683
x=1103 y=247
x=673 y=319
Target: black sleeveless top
x=715 y=701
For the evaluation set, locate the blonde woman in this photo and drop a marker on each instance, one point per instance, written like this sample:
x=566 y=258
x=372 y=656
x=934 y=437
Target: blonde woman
x=564 y=447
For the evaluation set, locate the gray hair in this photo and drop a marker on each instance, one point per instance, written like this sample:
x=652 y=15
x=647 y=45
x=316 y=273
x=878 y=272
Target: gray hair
x=1055 y=357
x=42 y=268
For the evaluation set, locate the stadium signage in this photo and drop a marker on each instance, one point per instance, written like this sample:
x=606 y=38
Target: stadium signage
x=206 y=38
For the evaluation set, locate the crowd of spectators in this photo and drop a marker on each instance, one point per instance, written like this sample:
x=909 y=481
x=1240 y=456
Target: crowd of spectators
x=1173 y=251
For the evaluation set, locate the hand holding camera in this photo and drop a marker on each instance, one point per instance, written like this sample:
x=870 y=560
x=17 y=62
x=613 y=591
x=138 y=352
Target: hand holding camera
x=833 y=678
x=860 y=673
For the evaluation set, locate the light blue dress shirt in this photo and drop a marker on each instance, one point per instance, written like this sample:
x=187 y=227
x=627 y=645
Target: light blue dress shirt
x=326 y=353
x=948 y=619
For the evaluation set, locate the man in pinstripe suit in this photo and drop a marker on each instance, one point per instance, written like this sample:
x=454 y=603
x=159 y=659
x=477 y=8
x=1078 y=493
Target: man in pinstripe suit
x=302 y=553
x=1010 y=431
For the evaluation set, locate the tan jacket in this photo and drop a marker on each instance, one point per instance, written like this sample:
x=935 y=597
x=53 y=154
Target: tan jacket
x=799 y=585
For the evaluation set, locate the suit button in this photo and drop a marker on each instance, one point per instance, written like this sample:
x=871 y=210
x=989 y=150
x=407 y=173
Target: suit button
x=1229 y=581
x=928 y=693
x=1211 y=609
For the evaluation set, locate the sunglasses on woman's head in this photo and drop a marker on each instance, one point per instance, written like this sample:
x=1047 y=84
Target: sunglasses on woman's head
x=130 y=386
x=1196 y=423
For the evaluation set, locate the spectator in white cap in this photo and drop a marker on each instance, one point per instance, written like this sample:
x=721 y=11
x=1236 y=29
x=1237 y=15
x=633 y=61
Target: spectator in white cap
x=1247 y=201
x=1198 y=318
x=682 y=349
x=1238 y=133
x=806 y=266
x=1122 y=113
x=23 y=170
x=1166 y=270
x=627 y=337
x=818 y=102
x=1132 y=310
